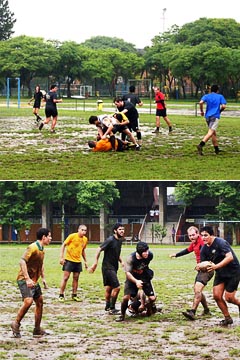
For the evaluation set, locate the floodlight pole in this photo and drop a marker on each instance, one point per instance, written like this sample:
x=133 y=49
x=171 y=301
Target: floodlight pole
x=163 y=18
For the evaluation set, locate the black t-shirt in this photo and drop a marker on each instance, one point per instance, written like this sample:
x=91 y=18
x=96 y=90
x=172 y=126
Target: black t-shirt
x=132 y=113
x=139 y=268
x=216 y=253
x=112 y=250
x=133 y=98
x=50 y=104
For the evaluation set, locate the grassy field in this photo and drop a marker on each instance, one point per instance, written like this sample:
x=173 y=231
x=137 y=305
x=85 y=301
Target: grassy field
x=26 y=153
x=82 y=331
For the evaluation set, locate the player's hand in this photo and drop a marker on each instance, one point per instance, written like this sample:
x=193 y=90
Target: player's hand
x=139 y=284
x=45 y=284
x=62 y=261
x=92 y=268
x=30 y=283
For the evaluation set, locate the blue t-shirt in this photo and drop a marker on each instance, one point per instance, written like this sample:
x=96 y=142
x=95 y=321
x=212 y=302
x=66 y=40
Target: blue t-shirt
x=214 y=102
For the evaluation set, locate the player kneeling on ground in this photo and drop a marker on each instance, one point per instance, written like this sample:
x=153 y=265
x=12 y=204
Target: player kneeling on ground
x=138 y=277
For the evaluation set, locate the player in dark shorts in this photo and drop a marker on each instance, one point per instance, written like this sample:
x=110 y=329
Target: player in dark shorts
x=112 y=249
x=138 y=277
x=227 y=271
x=51 y=108
x=37 y=97
x=127 y=108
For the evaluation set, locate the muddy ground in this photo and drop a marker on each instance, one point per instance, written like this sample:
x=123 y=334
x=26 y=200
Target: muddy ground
x=84 y=331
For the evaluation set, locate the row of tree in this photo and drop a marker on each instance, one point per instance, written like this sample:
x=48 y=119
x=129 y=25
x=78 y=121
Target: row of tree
x=22 y=200
x=205 y=51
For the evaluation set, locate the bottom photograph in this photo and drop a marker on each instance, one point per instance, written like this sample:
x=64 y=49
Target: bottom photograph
x=120 y=269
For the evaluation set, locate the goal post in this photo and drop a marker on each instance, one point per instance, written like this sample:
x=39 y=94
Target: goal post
x=9 y=90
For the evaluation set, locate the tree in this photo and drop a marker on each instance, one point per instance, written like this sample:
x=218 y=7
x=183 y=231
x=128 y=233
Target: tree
x=159 y=232
x=14 y=204
x=92 y=196
x=7 y=20
x=105 y=42
x=227 y=193
x=27 y=57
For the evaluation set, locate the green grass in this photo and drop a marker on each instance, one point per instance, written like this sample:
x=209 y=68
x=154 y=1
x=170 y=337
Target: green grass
x=26 y=154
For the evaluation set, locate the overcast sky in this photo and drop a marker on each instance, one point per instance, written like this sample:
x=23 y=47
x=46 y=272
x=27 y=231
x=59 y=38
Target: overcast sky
x=133 y=21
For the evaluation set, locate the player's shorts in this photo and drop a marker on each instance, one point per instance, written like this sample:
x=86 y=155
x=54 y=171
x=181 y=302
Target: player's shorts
x=133 y=125
x=37 y=105
x=230 y=283
x=119 y=128
x=27 y=292
x=162 y=112
x=131 y=289
x=203 y=277
x=51 y=112
x=72 y=266
x=110 y=278
x=212 y=123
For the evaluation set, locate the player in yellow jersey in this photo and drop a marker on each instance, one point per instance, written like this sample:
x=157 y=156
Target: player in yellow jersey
x=75 y=246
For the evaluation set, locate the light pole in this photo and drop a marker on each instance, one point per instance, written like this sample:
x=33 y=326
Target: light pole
x=163 y=18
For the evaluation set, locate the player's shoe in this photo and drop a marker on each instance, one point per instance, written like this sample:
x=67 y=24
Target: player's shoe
x=76 y=298
x=199 y=148
x=52 y=131
x=120 y=318
x=138 y=147
x=156 y=131
x=41 y=126
x=113 y=312
x=218 y=151
x=170 y=129
x=189 y=314
x=226 y=322
x=39 y=332
x=61 y=299
x=16 y=329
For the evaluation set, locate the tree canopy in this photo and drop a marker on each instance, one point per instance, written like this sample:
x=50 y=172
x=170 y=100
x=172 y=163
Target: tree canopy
x=7 y=20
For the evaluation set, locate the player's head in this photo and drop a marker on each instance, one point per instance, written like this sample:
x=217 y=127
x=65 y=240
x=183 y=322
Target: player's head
x=118 y=116
x=92 y=120
x=141 y=247
x=132 y=88
x=193 y=233
x=42 y=232
x=214 y=88
x=207 y=229
x=53 y=87
x=92 y=144
x=118 y=230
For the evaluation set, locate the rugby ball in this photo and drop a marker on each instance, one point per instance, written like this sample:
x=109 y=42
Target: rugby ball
x=204 y=265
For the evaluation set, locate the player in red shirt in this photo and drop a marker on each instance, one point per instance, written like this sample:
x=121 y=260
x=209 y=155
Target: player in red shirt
x=202 y=277
x=161 y=110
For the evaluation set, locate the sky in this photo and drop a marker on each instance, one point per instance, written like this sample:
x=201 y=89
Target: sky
x=134 y=21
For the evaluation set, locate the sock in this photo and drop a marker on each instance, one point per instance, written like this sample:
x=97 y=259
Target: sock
x=139 y=135
x=113 y=302
x=61 y=295
x=157 y=128
x=112 y=141
x=202 y=143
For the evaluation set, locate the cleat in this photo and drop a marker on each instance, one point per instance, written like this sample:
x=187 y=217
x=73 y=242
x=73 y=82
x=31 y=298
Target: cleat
x=76 y=298
x=218 y=152
x=39 y=332
x=226 y=322
x=61 y=299
x=156 y=131
x=16 y=329
x=52 y=131
x=120 y=318
x=199 y=148
x=41 y=126
x=138 y=147
x=170 y=129
x=113 y=312
x=189 y=314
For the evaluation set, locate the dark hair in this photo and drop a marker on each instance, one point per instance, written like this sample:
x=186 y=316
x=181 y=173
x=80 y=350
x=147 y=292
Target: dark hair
x=118 y=116
x=214 y=88
x=118 y=99
x=92 y=119
x=141 y=247
x=52 y=86
x=208 y=229
x=132 y=88
x=91 y=144
x=116 y=226
x=42 y=232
